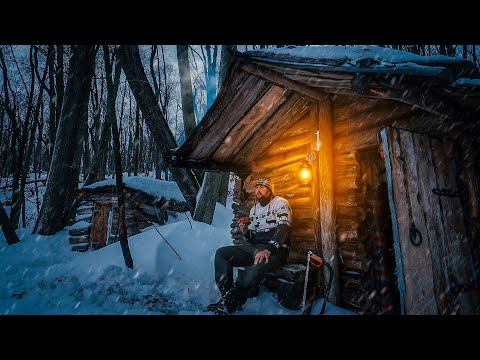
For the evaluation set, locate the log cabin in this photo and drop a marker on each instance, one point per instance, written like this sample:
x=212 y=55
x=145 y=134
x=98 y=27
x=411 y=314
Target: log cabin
x=392 y=143
x=147 y=201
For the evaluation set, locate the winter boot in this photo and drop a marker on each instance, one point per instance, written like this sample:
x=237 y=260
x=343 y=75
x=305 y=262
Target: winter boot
x=213 y=306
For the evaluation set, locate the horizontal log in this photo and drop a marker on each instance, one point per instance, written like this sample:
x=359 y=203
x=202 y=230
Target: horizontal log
x=356 y=141
x=271 y=162
x=292 y=168
x=321 y=82
x=85 y=239
x=260 y=112
x=349 y=223
x=81 y=248
x=374 y=117
x=358 y=213
x=356 y=107
x=350 y=197
x=84 y=217
x=301 y=201
x=308 y=233
x=358 y=253
x=292 y=188
x=302 y=127
x=285 y=144
x=360 y=265
x=239 y=105
x=302 y=213
x=79 y=232
x=343 y=183
x=281 y=80
x=85 y=210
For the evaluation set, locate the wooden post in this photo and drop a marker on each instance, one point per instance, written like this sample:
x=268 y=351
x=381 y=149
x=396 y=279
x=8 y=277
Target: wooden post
x=325 y=214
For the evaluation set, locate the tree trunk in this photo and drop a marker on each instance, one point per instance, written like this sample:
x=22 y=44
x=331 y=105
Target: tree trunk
x=112 y=89
x=52 y=124
x=189 y=122
x=28 y=155
x=208 y=198
x=136 y=142
x=65 y=167
x=17 y=194
x=59 y=82
x=7 y=228
x=225 y=63
x=129 y=57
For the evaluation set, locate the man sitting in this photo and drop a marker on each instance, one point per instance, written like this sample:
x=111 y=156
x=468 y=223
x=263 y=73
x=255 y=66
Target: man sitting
x=265 y=248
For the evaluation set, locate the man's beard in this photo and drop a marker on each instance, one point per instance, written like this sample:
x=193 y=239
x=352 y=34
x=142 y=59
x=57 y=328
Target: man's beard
x=264 y=200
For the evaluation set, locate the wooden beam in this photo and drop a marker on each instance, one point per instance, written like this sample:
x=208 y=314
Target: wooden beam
x=210 y=165
x=326 y=205
x=224 y=98
x=264 y=108
x=269 y=133
x=280 y=80
x=238 y=106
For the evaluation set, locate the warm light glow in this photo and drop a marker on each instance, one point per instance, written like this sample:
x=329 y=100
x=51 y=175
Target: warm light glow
x=305 y=175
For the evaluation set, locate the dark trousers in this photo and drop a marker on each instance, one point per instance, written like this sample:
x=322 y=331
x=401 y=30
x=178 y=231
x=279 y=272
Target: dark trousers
x=228 y=257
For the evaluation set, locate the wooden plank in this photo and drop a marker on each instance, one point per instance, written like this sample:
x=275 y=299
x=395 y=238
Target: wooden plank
x=281 y=171
x=280 y=80
x=356 y=141
x=301 y=201
x=269 y=163
x=266 y=135
x=435 y=231
x=302 y=212
x=85 y=239
x=377 y=116
x=239 y=105
x=346 y=182
x=294 y=189
x=357 y=213
x=241 y=132
x=458 y=260
x=326 y=194
x=300 y=127
x=419 y=296
x=228 y=91
x=323 y=74
x=98 y=234
x=79 y=232
x=80 y=247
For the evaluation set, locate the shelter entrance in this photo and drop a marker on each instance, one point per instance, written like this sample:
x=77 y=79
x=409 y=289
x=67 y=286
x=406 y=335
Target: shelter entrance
x=432 y=256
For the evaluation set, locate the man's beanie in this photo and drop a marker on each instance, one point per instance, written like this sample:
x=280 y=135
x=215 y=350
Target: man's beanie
x=265 y=181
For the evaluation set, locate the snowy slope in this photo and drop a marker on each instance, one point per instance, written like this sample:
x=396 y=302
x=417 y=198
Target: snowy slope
x=41 y=275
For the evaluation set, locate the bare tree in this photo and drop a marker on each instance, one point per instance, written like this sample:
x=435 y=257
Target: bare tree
x=65 y=167
x=189 y=121
x=112 y=89
x=7 y=227
x=17 y=193
x=129 y=57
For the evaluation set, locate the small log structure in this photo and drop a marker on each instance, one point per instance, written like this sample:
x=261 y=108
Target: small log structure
x=96 y=221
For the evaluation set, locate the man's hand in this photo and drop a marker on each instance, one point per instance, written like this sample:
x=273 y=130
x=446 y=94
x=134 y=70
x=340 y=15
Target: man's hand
x=243 y=227
x=264 y=254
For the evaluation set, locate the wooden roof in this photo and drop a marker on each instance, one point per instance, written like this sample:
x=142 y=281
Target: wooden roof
x=263 y=95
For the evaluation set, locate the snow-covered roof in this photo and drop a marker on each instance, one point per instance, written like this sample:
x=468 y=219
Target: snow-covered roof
x=155 y=187
x=364 y=58
x=467 y=82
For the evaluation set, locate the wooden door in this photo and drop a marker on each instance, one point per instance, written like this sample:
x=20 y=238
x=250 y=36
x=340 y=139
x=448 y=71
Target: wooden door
x=431 y=247
x=99 y=229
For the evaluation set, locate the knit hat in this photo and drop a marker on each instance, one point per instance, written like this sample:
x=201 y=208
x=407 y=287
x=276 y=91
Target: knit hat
x=265 y=181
